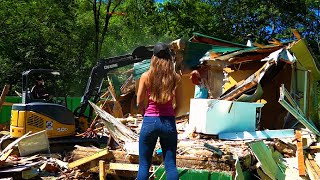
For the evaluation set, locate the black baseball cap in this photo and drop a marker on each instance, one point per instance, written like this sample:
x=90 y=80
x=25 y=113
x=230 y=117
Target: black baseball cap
x=39 y=78
x=162 y=50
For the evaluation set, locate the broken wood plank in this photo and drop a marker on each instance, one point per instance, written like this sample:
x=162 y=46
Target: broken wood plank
x=102 y=170
x=124 y=166
x=287 y=149
x=6 y=155
x=301 y=161
x=3 y=95
x=312 y=169
x=296 y=33
x=88 y=158
x=266 y=134
x=115 y=127
x=248 y=83
x=314 y=147
x=128 y=167
x=275 y=42
x=314 y=165
x=112 y=90
x=258 y=45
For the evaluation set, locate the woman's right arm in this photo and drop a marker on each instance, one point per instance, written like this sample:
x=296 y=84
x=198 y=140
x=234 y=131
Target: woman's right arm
x=141 y=94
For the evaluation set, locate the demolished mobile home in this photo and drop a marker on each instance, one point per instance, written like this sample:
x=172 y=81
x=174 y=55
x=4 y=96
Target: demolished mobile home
x=259 y=119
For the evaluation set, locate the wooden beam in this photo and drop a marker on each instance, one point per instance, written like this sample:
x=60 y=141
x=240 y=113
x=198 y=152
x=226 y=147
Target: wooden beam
x=258 y=45
x=301 y=165
x=124 y=166
x=3 y=95
x=128 y=167
x=102 y=170
x=7 y=104
x=88 y=158
x=275 y=42
x=314 y=147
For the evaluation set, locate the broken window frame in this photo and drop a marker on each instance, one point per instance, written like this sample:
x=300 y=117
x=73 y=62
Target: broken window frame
x=291 y=106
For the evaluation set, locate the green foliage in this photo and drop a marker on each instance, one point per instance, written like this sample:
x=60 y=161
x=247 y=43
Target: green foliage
x=63 y=34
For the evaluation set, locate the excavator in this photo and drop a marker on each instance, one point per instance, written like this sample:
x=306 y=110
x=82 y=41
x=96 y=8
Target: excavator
x=61 y=123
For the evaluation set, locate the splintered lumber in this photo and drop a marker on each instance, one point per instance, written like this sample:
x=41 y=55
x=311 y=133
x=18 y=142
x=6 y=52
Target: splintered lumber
x=102 y=170
x=248 y=83
x=301 y=161
x=213 y=163
x=288 y=150
x=125 y=166
x=6 y=155
x=111 y=90
x=312 y=169
x=3 y=95
x=116 y=129
x=88 y=158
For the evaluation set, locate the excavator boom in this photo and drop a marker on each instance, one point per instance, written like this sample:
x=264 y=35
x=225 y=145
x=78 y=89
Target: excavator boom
x=101 y=69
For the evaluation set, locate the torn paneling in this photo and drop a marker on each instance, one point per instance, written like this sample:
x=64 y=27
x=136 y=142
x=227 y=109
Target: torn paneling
x=266 y=134
x=264 y=156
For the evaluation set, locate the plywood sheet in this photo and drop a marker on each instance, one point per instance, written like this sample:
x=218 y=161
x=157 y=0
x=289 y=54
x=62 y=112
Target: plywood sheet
x=186 y=92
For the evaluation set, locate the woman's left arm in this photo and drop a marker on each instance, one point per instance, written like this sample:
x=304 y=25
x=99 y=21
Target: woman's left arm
x=142 y=92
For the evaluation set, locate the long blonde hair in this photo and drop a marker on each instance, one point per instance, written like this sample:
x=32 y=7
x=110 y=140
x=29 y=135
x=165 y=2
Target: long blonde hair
x=162 y=80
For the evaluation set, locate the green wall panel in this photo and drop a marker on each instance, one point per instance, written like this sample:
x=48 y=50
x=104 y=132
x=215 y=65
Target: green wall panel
x=192 y=174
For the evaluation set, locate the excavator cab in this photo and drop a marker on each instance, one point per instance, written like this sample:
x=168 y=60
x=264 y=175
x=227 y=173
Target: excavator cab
x=37 y=114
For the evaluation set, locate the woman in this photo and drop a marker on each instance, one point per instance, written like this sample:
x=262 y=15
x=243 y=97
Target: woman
x=159 y=85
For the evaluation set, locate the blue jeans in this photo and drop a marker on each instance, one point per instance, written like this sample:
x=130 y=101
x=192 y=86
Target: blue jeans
x=152 y=128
